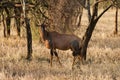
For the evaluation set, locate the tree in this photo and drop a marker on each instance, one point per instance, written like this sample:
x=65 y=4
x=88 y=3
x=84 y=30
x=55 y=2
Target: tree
x=90 y=29
x=12 y=5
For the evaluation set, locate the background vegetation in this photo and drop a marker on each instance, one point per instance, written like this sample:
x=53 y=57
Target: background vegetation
x=103 y=57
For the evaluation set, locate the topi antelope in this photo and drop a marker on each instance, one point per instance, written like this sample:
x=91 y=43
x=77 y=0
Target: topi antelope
x=54 y=40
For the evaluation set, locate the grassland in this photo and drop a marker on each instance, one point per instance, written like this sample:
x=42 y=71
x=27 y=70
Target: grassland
x=103 y=56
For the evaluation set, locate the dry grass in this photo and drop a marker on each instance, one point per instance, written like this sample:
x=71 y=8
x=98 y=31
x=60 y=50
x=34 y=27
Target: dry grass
x=103 y=57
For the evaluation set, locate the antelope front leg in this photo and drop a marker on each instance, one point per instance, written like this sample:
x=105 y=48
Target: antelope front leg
x=57 y=58
x=74 y=58
x=51 y=57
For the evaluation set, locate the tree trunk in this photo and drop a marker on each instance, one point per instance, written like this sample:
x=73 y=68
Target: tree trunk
x=28 y=32
x=18 y=26
x=4 y=31
x=8 y=21
x=29 y=38
x=86 y=38
x=17 y=12
x=89 y=31
x=116 y=21
x=88 y=10
x=96 y=8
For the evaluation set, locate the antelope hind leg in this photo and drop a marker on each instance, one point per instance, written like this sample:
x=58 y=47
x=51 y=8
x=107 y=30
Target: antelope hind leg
x=74 y=58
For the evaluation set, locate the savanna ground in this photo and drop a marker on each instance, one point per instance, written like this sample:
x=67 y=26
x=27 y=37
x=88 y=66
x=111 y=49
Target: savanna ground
x=103 y=56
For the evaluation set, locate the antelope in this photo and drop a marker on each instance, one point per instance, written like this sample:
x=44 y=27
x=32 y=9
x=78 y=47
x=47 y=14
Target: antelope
x=54 y=40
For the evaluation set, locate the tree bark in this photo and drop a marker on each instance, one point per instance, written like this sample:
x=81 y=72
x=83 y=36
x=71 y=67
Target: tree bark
x=29 y=38
x=28 y=32
x=4 y=31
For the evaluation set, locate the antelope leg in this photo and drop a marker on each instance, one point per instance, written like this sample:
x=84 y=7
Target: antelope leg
x=74 y=58
x=57 y=58
x=51 y=52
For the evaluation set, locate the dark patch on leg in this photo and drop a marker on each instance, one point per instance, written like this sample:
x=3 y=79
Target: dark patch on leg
x=75 y=45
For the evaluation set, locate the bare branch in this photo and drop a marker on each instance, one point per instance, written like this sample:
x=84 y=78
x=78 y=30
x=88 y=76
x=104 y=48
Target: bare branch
x=99 y=1
x=104 y=12
x=27 y=5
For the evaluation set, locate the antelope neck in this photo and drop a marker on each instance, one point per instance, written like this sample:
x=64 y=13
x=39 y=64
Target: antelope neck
x=45 y=34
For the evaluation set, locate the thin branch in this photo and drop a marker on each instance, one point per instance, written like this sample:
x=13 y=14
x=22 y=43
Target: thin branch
x=99 y=1
x=43 y=14
x=103 y=12
x=88 y=9
x=94 y=11
x=27 y=5
x=7 y=4
x=82 y=3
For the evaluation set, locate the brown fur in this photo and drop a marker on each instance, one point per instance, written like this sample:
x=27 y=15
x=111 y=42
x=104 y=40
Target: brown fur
x=62 y=41
x=54 y=40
